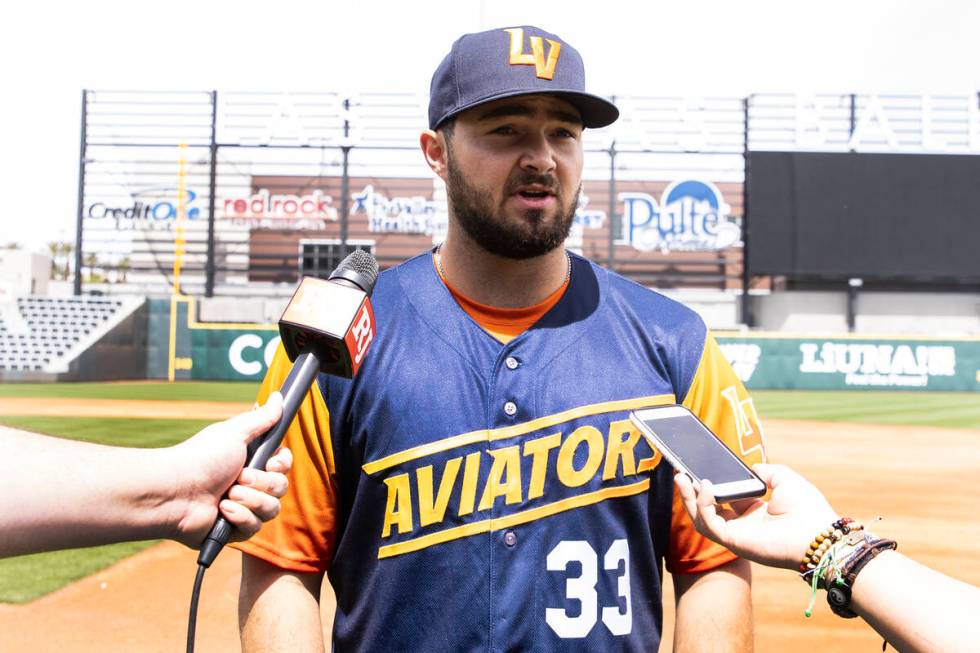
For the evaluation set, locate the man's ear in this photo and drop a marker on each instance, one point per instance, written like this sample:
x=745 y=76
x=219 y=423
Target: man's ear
x=435 y=150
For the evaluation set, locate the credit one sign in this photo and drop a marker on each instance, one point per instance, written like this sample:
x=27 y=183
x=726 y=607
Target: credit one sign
x=150 y=208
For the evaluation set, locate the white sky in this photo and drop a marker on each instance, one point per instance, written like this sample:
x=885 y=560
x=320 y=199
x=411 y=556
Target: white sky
x=50 y=51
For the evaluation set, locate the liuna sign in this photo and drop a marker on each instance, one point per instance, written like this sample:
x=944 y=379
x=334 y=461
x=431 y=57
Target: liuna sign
x=871 y=364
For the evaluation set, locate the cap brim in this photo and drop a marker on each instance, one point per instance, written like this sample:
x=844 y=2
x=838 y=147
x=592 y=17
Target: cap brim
x=596 y=111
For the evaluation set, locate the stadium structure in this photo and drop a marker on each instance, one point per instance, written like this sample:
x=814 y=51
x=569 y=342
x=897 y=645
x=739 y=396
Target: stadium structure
x=828 y=240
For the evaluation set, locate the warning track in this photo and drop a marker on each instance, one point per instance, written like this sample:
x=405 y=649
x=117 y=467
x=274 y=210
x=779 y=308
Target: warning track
x=61 y=407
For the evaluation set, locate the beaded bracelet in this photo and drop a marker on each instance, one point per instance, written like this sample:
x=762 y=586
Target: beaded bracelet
x=824 y=554
x=833 y=560
x=823 y=542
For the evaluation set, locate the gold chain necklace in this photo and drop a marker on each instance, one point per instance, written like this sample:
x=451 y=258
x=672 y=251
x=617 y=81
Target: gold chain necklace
x=442 y=273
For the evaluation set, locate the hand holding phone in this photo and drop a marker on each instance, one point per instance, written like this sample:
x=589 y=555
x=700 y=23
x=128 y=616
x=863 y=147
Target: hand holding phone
x=692 y=448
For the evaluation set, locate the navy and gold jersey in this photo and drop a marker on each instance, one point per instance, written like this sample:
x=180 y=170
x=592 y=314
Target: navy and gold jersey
x=464 y=494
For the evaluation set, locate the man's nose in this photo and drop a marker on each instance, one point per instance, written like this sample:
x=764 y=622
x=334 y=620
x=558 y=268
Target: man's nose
x=538 y=154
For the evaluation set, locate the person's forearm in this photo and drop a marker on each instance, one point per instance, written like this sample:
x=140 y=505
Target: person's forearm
x=915 y=608
x=714 y=610
x=279 y=611
x=62 y=493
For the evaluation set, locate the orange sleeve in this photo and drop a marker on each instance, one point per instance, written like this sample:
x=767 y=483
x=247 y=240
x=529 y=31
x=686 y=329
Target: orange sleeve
x=301 y=538
x=719 y=400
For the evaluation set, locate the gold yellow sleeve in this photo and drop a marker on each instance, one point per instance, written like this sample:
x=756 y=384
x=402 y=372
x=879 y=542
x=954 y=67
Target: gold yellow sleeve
x=301 y=538
x=718 y=398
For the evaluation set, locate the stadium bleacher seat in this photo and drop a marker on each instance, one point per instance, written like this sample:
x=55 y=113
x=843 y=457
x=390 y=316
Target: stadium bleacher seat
x=55 y=326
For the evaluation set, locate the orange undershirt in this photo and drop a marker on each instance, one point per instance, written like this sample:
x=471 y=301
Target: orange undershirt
x=504 y=324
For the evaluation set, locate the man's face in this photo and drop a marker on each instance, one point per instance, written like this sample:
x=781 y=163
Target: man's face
x=514 y=174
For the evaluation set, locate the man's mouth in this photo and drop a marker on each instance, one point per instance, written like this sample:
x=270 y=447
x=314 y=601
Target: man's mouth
x=534 y=192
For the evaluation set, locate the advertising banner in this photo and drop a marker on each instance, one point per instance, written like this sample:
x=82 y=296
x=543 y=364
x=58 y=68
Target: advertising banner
x=807 y=363
x=232 y=354
x=242 y=352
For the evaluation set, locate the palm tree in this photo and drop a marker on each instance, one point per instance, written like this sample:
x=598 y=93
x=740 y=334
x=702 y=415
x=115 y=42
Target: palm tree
x=55 y=250
x=60 y=259
x=67 y=249
x=123 y=267
x=91 y=261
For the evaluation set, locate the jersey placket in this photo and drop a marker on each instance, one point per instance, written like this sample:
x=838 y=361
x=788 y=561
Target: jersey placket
x=510 y=400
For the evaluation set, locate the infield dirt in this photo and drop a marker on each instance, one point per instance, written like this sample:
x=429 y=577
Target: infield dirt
x=922 y=480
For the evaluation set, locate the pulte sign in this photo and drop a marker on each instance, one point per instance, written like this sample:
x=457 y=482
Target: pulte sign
x=692 y=215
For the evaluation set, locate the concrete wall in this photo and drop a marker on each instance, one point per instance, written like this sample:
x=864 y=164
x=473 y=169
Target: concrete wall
x=936 y=314
x=23 y=273
x=718 y=309
x=259 y=310
x=118 y=355
x=945 y=314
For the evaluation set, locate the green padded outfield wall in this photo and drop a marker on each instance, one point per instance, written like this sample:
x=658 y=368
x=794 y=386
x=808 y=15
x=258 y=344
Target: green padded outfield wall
x=772 y=360
x=206 y=351
x=762 y=360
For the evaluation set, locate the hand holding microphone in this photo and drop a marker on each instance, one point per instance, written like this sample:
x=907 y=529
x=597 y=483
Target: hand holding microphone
x=327 y=327
x=204 y=465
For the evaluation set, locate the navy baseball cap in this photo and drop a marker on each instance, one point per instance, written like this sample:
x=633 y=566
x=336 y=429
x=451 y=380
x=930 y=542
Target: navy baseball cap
x=502 y=63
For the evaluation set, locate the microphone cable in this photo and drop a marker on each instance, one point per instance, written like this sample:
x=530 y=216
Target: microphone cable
x=358 y=271
x=294 y=388
x=192 y=618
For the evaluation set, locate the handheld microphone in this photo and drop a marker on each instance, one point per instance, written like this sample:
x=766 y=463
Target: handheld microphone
x=327 y=327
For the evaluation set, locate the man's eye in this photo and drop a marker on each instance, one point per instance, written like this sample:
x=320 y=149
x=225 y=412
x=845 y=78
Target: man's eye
x=505 y=130
x=565 y=133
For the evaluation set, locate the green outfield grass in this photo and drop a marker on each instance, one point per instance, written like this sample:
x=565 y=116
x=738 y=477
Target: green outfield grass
x=117 y=431
x=948 y=409
x=26 y=577
x=146 y=390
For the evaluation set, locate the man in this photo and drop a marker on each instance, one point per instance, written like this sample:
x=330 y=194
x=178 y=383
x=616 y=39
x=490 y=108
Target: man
x=479 y=485
x=63 y=493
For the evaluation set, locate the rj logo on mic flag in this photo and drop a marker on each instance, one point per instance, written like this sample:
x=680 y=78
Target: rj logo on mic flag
x=545 y=69
x=335 y=320
x=361 y=334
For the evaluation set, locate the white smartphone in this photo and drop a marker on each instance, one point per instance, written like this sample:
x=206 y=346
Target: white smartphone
x=692 y=448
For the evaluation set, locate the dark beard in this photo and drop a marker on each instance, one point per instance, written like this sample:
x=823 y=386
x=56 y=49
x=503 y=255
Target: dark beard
x=521 y=239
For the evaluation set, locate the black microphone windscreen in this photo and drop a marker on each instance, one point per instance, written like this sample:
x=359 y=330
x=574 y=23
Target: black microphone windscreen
x=359 y=267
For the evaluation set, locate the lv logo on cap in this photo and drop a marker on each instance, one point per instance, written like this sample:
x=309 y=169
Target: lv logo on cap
x=543 y=69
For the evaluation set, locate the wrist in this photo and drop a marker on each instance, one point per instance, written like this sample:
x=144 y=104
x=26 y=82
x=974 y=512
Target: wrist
x=169 y=500
x=137 y=486
x=840 y=593
x=879 y=565
x=805 y=534
x=835 y=558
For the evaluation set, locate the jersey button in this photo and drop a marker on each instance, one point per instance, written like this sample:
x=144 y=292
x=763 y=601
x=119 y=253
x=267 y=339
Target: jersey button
x=512 y=363
x=510 y=538
x=510 y=408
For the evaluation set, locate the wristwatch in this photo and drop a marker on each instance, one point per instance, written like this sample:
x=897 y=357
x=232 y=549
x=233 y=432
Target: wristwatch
x=839 y=592
x=839 y=600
